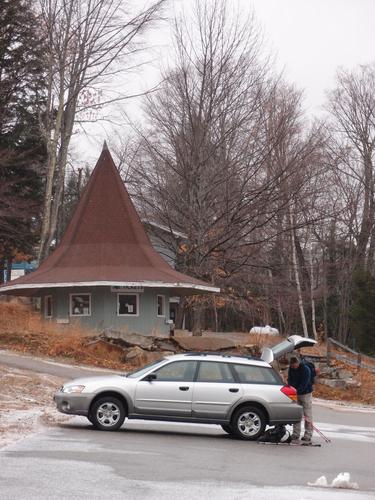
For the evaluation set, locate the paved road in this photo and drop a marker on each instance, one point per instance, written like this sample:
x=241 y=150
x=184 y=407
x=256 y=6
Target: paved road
x=41 y=365
x=147 y=460
x=170 y=461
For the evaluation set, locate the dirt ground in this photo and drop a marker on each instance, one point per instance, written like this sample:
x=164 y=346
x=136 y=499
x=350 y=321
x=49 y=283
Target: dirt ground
x=365 y=394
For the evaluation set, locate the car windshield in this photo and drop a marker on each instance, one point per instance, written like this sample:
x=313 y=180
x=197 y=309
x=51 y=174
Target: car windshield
x=143 y=370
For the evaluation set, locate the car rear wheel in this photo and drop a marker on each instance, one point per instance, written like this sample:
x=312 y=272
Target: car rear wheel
x=107 y=414
x=227 y=428
x=249 y=423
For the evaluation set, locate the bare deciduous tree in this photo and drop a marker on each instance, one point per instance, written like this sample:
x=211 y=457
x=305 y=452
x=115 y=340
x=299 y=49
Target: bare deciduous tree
x=89 y=41
x=200 y=154
x=352 y=106
x=348 y=241
x=204 y=162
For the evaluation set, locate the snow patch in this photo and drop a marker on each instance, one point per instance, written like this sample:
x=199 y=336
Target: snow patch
x=342 y=480
x=321 y=481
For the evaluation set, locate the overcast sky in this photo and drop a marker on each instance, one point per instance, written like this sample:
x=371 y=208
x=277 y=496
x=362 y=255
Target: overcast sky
x=310 y=39
x=313 y=37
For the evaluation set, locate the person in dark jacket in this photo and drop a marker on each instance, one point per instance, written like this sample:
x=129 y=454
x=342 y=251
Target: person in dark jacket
x=300 y=377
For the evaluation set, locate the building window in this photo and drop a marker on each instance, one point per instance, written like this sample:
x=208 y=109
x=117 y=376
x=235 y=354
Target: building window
x=80 y=304
x=48 y=306
x=127 y=304
x=161 y=305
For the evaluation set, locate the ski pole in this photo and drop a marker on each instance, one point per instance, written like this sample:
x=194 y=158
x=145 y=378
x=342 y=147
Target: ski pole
x=326 y=439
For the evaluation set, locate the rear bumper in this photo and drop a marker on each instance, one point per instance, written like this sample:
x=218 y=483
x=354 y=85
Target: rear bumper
x=73 y=404
x=285 y=413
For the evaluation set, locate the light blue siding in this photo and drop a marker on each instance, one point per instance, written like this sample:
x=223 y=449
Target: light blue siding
x=104 y=310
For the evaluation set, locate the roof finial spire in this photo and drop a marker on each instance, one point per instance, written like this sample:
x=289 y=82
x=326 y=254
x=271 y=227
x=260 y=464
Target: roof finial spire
x=105 y=146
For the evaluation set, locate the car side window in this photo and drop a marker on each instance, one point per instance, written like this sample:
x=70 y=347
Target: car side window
x=179 y=371
x=250 y=374
x=211 y=371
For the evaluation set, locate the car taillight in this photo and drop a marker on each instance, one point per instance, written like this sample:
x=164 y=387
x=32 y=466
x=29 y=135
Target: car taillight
x=289 y=391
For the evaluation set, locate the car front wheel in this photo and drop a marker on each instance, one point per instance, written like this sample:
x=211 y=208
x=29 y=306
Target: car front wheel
x=107 y=414
x=248 y=423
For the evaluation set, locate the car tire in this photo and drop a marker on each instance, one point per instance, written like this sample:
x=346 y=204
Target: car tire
x=227 y=428
x=248 y=423
x=107 y=413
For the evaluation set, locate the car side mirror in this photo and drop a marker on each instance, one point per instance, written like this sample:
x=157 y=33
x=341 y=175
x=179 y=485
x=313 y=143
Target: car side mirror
x=151 y=376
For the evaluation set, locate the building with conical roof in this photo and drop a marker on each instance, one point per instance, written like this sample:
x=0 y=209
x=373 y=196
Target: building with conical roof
x=105 y=271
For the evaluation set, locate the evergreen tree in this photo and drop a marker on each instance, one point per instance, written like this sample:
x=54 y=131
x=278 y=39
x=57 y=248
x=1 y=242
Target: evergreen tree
x=22 y=153
x=362 y=314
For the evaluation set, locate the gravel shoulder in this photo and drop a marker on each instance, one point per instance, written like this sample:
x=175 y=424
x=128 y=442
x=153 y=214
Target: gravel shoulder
x=26 y=404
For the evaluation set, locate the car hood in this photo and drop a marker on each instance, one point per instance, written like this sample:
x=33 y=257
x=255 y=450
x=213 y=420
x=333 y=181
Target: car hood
x=104 y=380
x=269 y=354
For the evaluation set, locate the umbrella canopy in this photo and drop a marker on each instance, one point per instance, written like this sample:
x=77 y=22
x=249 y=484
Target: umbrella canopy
x=105 y=244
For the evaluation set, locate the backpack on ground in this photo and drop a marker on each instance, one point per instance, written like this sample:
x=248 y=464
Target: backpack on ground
x=277 y=434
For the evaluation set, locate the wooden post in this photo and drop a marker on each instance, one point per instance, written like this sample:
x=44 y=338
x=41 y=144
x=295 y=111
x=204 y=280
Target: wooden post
x=359 y=361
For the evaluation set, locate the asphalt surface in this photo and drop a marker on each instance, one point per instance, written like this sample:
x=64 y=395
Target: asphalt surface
x=154 y=460
x=175 y=461
x=41 y=365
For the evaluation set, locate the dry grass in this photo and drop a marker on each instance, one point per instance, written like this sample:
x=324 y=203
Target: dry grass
x=23 y=330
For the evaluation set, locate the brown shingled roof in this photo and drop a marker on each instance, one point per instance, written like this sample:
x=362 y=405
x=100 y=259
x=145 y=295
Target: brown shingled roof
x=105 y=244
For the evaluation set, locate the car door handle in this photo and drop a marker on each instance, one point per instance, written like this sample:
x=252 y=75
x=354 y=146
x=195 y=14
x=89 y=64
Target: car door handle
x=233 y=389
x=184 y=388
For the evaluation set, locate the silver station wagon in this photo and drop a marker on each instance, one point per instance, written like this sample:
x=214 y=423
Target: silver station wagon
x=241 y=394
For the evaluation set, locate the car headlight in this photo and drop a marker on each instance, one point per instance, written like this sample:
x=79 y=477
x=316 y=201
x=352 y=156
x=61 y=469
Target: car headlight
x=72 y=388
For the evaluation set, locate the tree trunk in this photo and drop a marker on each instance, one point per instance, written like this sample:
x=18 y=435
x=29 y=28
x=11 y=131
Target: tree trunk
x=52 y=148
x=325 y=294
x=302 y=266
x=367 y=222
x=296 y=276
x=282 y=324
x=9 y=267
x=2 y=270
x=62 y=158
x=197 y=319
x=180 y=313
x=215 y=315
x=312 y=285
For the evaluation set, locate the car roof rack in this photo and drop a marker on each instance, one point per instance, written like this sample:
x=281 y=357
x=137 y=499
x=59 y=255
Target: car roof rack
x=223 y=355
x=202 y=353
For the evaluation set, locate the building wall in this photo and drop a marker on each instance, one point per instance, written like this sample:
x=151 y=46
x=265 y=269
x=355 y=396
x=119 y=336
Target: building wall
x=104 y=310
x=159 y=245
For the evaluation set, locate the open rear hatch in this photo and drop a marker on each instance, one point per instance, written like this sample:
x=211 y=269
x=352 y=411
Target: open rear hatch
x=293 y=342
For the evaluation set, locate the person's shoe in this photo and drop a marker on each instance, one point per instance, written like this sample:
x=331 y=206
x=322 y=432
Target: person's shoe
x=306 y=439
